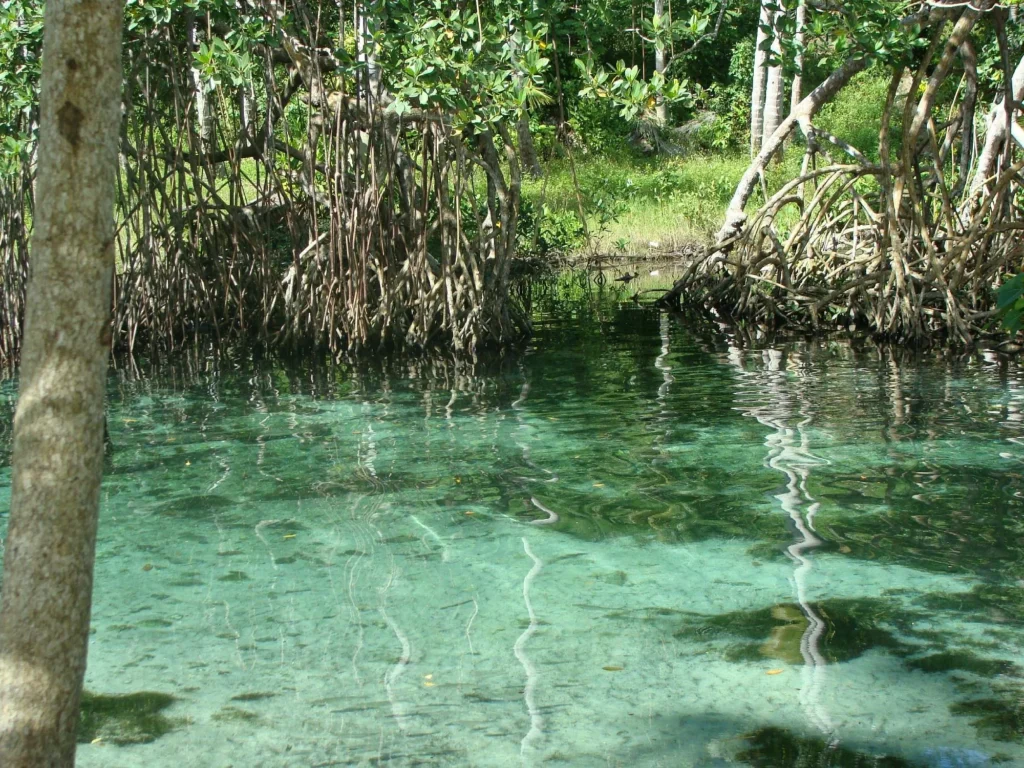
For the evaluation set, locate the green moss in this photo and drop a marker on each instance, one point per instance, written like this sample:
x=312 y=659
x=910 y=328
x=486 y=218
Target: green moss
x=131 y=718
x=964 y=661
x=234 y=714
x=194 y=507
x=986 y=602
x=774 y=747
x=852 y=628
x=1000 y=719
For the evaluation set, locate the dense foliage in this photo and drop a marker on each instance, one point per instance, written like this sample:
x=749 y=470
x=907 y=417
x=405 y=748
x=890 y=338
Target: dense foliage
x=309 y=174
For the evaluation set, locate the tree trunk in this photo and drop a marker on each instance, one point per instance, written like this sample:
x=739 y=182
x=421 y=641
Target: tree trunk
x=996 y=134
x=773 y=97
x=805 y=110
x=760 y=76
x=58 y=427
x=660 y=61
x=366 y=48
x=524 y=138
x=808 y=107
x=527 y=151
x=204 y=113
x=796 y=94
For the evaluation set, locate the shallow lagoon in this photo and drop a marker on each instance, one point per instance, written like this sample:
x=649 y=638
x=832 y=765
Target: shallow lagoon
x=632 y=545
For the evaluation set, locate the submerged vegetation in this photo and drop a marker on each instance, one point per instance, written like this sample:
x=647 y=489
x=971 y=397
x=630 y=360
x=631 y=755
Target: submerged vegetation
x=769 y=747
x=122 y=719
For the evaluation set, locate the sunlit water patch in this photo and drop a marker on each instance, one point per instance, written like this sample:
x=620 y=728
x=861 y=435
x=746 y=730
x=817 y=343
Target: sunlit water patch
x=630 y=546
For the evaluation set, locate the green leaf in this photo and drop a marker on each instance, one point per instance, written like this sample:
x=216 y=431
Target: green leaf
x=1012 y=320
x=1010 y=291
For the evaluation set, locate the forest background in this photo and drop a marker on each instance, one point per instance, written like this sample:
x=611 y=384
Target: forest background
x=312 y=175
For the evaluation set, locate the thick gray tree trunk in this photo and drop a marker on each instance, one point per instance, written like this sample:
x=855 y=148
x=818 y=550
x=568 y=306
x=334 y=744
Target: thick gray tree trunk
x=58 y=427
x=760 y=76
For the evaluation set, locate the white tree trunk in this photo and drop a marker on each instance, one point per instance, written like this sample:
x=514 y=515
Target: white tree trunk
x=996 y=135
x=773 y=96
x=804 y=111
x=204 y=113
x=797 y=90
x=760 y=76
x=366 y=50
x=660 y=61
x=58 y=427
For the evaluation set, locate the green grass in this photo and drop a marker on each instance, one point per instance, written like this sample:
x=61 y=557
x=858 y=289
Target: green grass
x=633 y=201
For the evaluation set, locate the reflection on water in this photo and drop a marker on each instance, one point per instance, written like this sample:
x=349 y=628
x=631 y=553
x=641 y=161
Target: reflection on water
x=783 y=408
x=632 y=545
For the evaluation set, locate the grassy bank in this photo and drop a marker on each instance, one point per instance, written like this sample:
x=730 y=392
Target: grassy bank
x=636 y=206
x=631 y=200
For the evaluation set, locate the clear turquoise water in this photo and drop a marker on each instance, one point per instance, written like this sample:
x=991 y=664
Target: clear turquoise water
x=630 y=546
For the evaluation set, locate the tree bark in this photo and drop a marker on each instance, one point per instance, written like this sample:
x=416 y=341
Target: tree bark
x=760 y=75
x=660 y=61
x=996 y=134
x=527 y=150
x=204 y=113
x=773 y=96
x=796 y=93
x=366 y=49
x=58 y=426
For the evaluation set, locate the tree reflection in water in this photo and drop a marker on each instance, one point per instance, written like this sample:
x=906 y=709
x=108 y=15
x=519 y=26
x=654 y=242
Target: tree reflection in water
x=776 y=400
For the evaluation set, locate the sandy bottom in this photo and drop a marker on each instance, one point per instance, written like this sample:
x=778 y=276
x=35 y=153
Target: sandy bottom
x=368 y=632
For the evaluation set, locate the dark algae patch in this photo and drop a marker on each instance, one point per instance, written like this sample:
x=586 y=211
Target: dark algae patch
x=964 y=661
x=234 y=714
x=1000 y=719
x=130 y=718
x=777 y=747
x=195 y=507
x=253 y=696
x=1001 y=604
x=852 y=627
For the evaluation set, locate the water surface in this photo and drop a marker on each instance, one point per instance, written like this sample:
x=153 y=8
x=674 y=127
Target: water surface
x=633 y=545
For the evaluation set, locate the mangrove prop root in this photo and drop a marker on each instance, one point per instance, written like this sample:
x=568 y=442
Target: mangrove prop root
x=908 y=248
